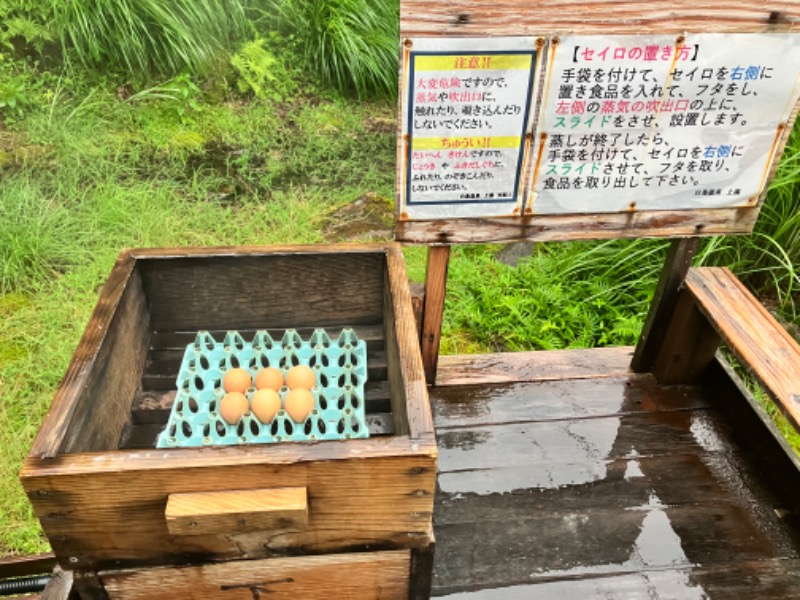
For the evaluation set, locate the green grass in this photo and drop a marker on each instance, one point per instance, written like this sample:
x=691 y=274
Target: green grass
x=141 y=37
x=350 y=44
x=89 y=173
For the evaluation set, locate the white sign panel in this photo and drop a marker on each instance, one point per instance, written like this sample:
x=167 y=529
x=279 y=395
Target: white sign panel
x=651 y=122
x=466 y=116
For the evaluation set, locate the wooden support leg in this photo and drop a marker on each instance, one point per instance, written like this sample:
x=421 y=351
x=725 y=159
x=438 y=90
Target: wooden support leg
x=679 y=259
x=689 y=345
x=435 y=289
x=88 y=586
x=421 y=580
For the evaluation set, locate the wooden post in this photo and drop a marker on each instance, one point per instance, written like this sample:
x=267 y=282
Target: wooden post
x=421 y=577
x=435 y=289
x=689 y=345
x=679 y=259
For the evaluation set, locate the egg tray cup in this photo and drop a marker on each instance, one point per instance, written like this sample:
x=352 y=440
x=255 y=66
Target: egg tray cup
x=340 y=368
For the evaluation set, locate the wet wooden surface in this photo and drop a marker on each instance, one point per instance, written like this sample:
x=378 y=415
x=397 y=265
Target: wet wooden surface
x=602 y=487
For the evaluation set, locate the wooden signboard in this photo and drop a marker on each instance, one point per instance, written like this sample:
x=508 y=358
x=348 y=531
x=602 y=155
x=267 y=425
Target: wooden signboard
x=579 y=121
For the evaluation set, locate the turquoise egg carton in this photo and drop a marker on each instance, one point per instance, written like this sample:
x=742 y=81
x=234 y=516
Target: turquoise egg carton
x=340 y=366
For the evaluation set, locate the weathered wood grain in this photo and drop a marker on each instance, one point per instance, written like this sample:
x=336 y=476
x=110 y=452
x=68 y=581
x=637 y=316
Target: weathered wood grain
x=552 y=228
x=421 y=572
x=662 y=306
x=407 y=364
x=356 y=576
x=274 y=289
x=107 y=509
x=519 y=17
x=236 y=511
x=752 y=334
x=688 y=347
x=21 y=566
x=60 y=586
x=777 y=579
x=758 y=437
x=106 y=365
x=460 y=407
x=510 y=367
x=433 y=310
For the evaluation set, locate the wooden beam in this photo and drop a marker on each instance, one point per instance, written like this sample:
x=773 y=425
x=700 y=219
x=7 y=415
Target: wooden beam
x=679 y=259
x=435 y=291
x=238 y=510
x=759 y=342
x=689 y=345
x=22 y=566
x=517 y=17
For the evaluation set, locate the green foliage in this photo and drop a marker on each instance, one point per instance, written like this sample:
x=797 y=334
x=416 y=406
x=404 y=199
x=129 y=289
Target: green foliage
x=563 y=296
x=38 y=236
x=260 y=73
x=143 y=37
x=350 y=44
x=24 y=23
x=12 y=97
x=768 y=260
x=180 y=96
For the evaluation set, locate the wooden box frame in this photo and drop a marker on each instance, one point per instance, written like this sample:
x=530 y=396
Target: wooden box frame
x=103 y=508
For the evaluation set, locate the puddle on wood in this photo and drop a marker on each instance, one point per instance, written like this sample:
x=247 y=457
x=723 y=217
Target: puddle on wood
x=588 y=506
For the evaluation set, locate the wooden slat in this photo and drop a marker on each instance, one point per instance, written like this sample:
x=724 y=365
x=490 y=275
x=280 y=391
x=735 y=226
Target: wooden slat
x=510 y=367
x=776 y=579
x=460 y=407
x=752 y=333
x=433 y=309
x=677 y=263
x=200 y=513
x=107 y=510
x=22 y=566
x=73 y=423
x=367 y=576
x=274 y=289
x=551 y=228
x=516 y=17
x=406 y=368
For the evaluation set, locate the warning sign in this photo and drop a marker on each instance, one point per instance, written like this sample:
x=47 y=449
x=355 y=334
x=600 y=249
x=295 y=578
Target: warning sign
x=466 y=116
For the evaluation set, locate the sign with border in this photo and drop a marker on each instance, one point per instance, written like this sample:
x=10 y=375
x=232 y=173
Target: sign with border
x=466 y=118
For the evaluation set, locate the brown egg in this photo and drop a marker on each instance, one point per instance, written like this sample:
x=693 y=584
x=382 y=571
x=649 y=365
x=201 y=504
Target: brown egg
x=269 y=378
x=232 y=406
x=298 y=404
x=236 y=380
x=300 y=377
x=265 y=403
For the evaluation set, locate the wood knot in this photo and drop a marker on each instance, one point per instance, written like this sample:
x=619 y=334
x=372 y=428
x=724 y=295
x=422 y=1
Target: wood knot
x=776 y=17
x=463 y=19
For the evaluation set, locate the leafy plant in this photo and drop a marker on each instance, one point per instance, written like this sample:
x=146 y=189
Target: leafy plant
x=261 y=73
x=12 y=97
x=25 y=23
x=180 y=95
x=142 y=37
x=350 y=44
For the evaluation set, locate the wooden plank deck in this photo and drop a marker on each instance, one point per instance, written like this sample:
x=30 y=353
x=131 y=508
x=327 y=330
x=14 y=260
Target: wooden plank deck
x=598 y=486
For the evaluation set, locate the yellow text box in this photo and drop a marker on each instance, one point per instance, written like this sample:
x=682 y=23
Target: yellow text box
x=478 y=62
x=457 y=143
